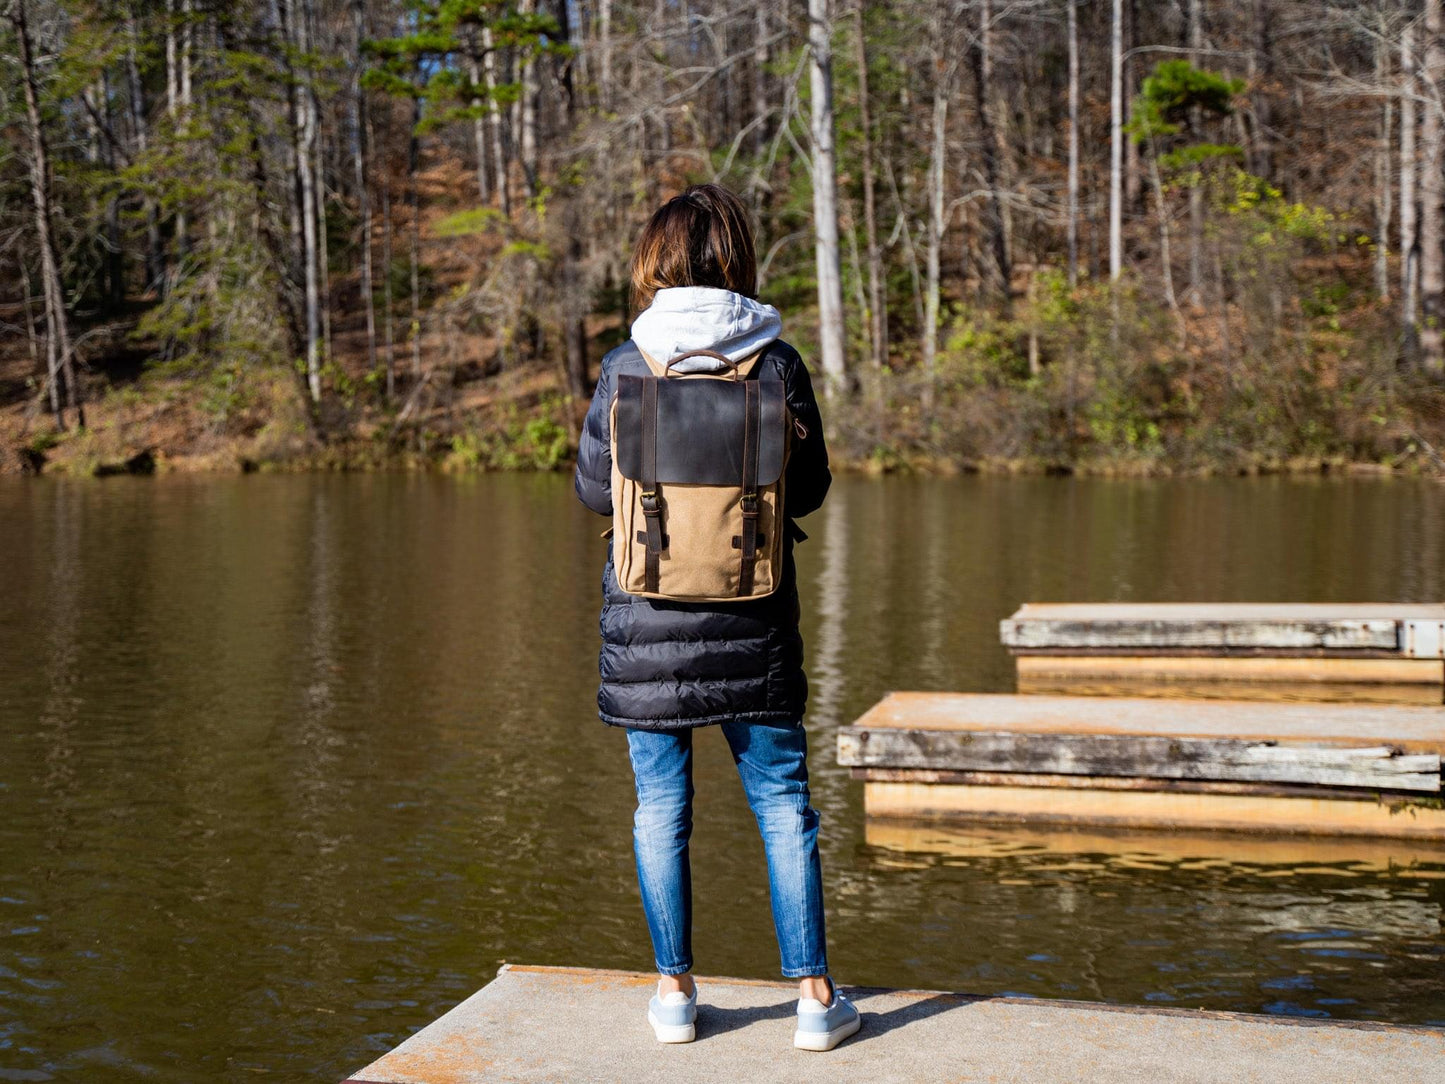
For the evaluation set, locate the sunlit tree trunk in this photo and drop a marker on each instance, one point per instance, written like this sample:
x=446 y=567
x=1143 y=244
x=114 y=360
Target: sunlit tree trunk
x=1384 y=191
x=1116 y=143
x=992 y=141
x=1432 y=195
x=877 y=313
x=1073 y=212
x=528 y=103
x=480 y=112
x=825 y=197
x=61 y=362
x=1196 y=191
x=494 y=120
x=1409 y=171
x=604 y=49
x=359 y=150
x=943 y=65
x=304 y=136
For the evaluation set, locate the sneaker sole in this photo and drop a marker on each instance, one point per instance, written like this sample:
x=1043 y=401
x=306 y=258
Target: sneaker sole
x=826 y=1040
x=672 y=1033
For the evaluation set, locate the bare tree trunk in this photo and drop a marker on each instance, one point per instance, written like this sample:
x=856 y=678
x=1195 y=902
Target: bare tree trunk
x=1116 y=143
x=604 y=48
x=494 y=118
x=359 y=147
x=825 y=198
x=877 y=314
x=760 y=79
x=1261 y=67
x=1196 y=192
x=388 y=299
x=1432 y=195
x=155 y=252
x=1384 y=191
x=413 y=196
x=58 y=324
x=1133 y=174
x=1409 y=172
x=479 y=123
x=304 y=135
x=943 y=68
x=1073 y=224
x=528 y=111
x=981 y=58
x=1166 y=259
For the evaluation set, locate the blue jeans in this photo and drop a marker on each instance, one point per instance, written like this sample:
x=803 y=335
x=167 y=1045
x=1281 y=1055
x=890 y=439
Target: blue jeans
x=772 y=762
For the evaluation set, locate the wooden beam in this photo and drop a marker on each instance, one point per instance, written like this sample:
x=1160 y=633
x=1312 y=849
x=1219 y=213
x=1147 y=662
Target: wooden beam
x=1152 y=809
x=1417 y=694
x=1140 y=755
x=1109 y=782
x=1222 y=626
x=1412 y=729
x=1166 y=668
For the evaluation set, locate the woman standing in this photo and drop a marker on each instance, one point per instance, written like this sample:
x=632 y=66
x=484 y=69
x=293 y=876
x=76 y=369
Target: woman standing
x=669 y=667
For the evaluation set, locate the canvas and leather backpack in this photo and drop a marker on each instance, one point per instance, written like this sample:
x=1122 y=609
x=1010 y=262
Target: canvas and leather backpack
x=698 y=462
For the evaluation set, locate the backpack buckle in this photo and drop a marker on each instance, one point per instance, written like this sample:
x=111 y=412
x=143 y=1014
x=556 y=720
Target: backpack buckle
x=648 y=500
x=750 y=505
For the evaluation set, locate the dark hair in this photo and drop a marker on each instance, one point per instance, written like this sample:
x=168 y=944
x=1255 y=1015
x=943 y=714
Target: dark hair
x=700 y=238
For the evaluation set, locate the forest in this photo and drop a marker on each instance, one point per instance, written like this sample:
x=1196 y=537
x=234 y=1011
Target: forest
x=1114 y=236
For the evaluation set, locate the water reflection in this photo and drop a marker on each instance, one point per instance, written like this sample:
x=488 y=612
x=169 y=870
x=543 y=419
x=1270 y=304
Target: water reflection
x=289 y=765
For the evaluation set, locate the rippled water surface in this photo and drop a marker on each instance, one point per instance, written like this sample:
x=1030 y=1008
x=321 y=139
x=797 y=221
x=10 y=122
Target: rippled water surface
x=289 y=765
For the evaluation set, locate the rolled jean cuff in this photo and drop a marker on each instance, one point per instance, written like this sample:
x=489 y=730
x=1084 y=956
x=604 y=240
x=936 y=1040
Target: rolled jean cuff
x=680 y=970
x=805 y=972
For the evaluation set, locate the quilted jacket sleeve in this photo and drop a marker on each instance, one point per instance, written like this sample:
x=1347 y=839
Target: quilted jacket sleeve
x=808 y=475
x=594 y=451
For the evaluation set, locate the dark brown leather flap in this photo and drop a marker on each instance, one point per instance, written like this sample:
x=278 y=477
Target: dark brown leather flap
x=700 y=430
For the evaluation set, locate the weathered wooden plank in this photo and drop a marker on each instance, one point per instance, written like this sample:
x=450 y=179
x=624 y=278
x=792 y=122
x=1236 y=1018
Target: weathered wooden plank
x=1220 y=626
x=1418 y=694
x=1221 y=635
x=1410 y=728
x=1108 y=782
x=1324 y=815
x=1295 y=670
x=1138 y=755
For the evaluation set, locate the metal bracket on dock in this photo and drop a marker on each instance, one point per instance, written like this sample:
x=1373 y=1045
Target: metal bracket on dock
x=1422 y=638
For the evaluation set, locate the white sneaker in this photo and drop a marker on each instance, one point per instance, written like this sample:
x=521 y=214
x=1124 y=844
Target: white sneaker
x=673 y=1016
x=822 y=1027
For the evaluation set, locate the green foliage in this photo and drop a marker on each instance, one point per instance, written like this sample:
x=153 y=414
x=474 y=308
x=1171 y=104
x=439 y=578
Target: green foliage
x=521 y=440
x=469 y=222
x=433 y=63
x=1172 y=92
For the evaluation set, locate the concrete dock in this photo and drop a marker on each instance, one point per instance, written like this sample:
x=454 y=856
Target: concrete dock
x=578 y=1024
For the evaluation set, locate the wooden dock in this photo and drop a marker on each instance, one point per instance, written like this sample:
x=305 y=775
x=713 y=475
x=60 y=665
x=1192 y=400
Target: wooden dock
x=579 y=1024
x=1381 y=652
x=1130 y=762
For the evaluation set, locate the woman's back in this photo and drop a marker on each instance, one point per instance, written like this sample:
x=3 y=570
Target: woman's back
x=667 y=665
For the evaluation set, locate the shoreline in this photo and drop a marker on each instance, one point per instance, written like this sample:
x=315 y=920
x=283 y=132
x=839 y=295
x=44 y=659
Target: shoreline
x=354 y=458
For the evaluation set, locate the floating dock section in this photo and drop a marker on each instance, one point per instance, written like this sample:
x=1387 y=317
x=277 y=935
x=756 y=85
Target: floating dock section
x=1381 y=652
x=1347 y=769
x=578 y=1024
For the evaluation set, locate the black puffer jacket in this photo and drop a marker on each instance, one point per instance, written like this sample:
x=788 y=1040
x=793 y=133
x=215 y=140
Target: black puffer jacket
x=671 y=665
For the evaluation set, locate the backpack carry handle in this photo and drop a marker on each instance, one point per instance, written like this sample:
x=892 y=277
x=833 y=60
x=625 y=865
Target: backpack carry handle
x=667 y=369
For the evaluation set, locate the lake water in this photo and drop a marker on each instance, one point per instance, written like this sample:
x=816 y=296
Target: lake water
x=290 y=764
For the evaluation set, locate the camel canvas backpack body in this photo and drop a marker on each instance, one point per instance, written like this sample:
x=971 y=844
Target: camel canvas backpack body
x=698 y=461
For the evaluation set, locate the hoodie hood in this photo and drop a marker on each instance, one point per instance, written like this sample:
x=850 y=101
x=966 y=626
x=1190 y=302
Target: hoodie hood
x=684 y=318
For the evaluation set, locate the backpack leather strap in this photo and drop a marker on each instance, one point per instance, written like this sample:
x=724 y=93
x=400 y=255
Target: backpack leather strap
x=752 y=423
x=651 y=503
